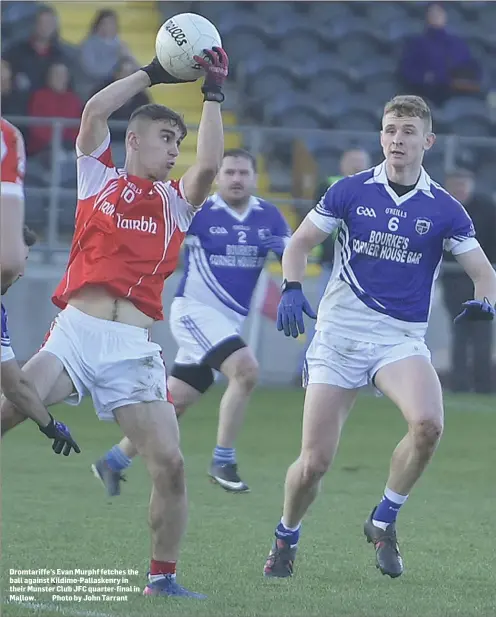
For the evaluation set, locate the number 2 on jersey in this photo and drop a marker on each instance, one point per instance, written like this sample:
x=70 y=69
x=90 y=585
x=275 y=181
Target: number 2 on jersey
x=241 y=237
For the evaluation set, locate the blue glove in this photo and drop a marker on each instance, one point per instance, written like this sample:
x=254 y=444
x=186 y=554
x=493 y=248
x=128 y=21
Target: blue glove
x=475 y=310
x=290 y=312
x=275 y=244
x=62 y=438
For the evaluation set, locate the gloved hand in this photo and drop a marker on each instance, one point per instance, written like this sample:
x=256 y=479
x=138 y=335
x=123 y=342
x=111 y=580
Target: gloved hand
x=216 y=70
x=290 y=311
x=158 y=75
x=275 y=244
x=62 y=438
x=476 y=310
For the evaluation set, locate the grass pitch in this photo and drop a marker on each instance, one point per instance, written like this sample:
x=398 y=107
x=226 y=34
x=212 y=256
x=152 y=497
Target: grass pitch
x=55 y=515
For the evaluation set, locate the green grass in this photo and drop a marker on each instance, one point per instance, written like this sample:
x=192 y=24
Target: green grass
x=55 y=515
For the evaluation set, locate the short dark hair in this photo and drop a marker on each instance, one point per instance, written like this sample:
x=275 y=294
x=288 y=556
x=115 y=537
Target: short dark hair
x=155 y=112
x=244 y=154
x=29 y=236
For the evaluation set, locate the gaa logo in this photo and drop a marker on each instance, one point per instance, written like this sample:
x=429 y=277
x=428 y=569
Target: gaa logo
x=422 y=226
x=363 y=211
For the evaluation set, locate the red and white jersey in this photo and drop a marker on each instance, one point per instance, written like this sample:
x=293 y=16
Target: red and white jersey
x=128 y=233
x=13 y=160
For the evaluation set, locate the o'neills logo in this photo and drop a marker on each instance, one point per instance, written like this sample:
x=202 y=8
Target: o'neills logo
x=147 y=225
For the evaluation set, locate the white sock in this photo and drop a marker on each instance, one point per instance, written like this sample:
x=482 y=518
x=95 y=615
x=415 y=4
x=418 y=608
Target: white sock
x=290 y=528
x=394 y=498
x=156 y=577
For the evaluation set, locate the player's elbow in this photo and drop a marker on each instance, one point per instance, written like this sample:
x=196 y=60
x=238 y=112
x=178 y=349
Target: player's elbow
x=207 y=169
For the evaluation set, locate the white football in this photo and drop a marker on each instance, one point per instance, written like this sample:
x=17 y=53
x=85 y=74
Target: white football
x=182 y=37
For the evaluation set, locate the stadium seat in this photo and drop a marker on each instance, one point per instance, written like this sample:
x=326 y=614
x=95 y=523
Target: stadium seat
x=231 y=22
x=340 y=29
x=357 y=120
x=457 y=107
x=472 y=126
x=329 y=86
x=370 y=67
x=216 y=11
x=272 y=12
x=380 y=88
x=270 y=80
x=286 y=111
x=299 y=43
x=379 y=14
x=358 y=45
x=397 y=31
x=326 y=13
x=241 y=44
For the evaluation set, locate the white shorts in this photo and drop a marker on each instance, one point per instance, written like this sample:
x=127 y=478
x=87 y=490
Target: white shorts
x=353 y=364
x=115 y=363
x=198 y=329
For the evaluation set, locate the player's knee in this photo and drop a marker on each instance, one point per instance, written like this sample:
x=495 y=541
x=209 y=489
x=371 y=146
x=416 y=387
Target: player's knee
x=167 y=471
x=315 y=465
x=427 y=433
x=246 y=373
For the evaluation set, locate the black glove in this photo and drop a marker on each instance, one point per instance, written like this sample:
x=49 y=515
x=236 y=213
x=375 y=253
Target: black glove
x=158 y=75
x=62 y=439
x=216 y=70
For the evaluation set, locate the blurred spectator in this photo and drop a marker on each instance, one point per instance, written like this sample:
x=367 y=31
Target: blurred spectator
x=352 y=162
x=438 y=64
x=124 y=68
x=102 y=49
x=29 y=60
x=472 y=342
x=55 y=100
x=14 y=102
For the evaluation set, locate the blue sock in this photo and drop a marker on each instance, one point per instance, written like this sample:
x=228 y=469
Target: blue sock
x=387 y=511
x=116 y=459
x=291 y=536
x=224 y=456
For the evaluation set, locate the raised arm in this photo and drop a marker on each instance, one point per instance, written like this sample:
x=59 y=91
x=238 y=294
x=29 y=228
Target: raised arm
x=102 y=105
x=198 y=179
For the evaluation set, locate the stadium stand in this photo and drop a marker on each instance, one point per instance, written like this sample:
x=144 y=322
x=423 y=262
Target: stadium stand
x=315 y=65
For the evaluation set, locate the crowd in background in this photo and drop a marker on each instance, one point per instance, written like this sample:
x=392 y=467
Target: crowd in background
x=44 y=76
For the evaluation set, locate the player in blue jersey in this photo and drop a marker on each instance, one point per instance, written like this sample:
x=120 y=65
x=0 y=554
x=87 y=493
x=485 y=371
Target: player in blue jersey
x=19 y=390
x=226 y=248
x=393 y=224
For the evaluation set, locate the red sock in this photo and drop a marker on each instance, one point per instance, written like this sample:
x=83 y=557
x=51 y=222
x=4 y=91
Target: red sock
x=162 y=567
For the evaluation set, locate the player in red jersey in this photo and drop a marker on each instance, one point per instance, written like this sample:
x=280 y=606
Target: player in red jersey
x=130 y=224
x=12 y=248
